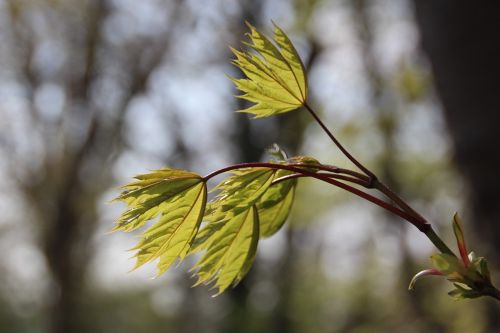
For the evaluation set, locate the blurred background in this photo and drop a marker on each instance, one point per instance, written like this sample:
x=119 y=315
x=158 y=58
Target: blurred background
x=94 y=92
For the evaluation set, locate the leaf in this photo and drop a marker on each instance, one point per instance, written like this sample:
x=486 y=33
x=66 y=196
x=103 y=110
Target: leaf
x=239 y=191
x=478 y=266
x=483 y=268
x=231 y=252
x=459 y=235
x=237 y=194
x=246 y=202
x=145 y=197
x=275 y=204
x=463 y=292
x=449 y=265
x=276 y=79
x=427 y=272
x=177 y=199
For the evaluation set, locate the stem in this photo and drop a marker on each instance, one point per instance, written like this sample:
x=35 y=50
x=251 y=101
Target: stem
x=339 y=145
x=381 y=203
x=340 y=177
x=493 y=292
x=414 y=217
x=430 y=233
x=397 y=199
x=434 y=238
x=336 y=169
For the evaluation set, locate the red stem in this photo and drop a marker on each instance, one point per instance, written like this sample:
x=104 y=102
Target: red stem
x=339 y=145
x=424 y=227
x=341 y=177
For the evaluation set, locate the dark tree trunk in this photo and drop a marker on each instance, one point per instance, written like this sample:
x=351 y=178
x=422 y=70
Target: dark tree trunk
x=462 y=40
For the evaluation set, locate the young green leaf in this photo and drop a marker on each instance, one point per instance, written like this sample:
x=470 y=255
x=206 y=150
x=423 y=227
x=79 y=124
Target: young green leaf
x=239 y=191
x=177 y=199
x=237 y=194
x=446 y=264
x=231 y=250
x=275 y=204
x=246 y=203
x=276 y=79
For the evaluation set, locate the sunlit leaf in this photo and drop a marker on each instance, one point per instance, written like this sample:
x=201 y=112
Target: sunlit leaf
x=175 y=200
x=237 y=194
x=276 y=80
x=275 y=204
x=231 y=250
x=232 y=221
x=239 y=191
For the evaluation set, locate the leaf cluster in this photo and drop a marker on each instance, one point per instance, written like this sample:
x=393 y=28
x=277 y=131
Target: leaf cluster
x=225 y=231
x=469 y=274
x=249 y=205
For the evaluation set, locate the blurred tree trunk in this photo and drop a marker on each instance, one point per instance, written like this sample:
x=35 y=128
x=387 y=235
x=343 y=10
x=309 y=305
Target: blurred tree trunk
x=462 y=42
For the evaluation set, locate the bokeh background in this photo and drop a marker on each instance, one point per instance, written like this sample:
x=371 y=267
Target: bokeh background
x=93 y=92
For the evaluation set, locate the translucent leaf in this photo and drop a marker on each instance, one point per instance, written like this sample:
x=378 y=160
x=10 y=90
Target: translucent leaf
x=231 y=250
x=276 y=80
x=239 y=192
x=176 y=200
x=275 y=204
x=147 y=197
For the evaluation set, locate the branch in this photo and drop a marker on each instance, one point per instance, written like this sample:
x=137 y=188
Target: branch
x=370 y=174
x=423 y=227
x=340 y=177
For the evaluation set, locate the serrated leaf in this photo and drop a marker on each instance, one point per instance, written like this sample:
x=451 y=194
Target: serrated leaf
x=177 y=199
x=239 y=192
x=147 y=197
x=231 y=251
x=275 y=204
x=276 y=79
